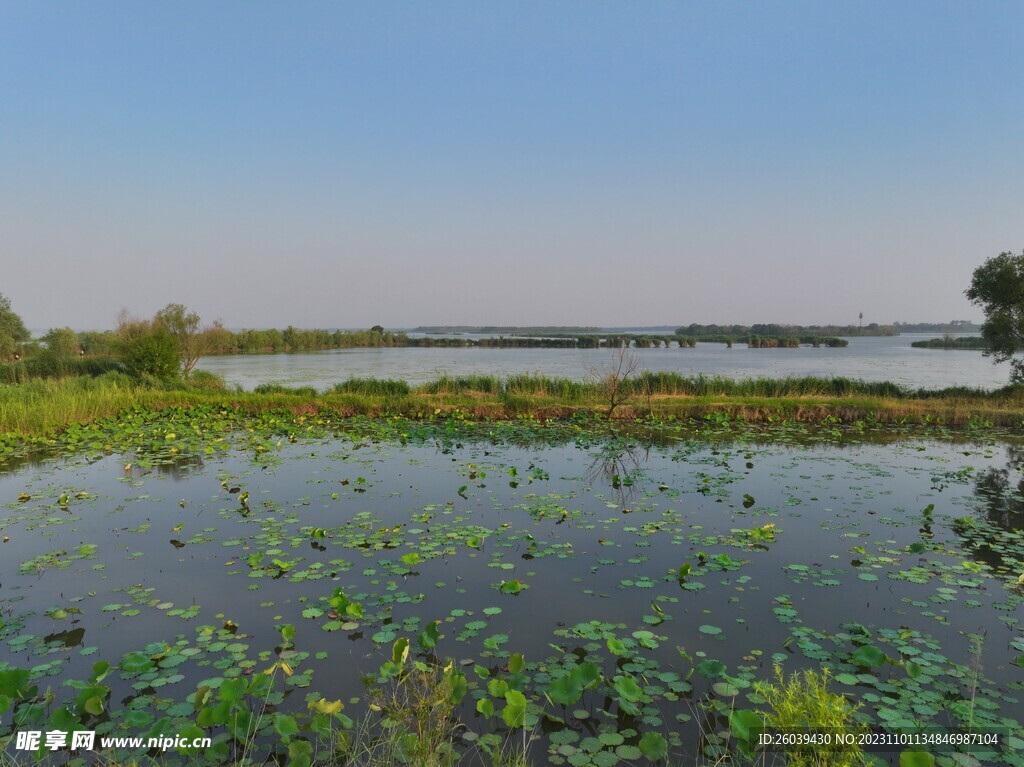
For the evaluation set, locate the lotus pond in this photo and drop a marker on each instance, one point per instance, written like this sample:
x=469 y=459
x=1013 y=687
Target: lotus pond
x=609 y=597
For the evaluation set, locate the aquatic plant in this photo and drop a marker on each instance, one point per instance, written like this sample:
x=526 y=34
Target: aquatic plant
x=802 y=702
x=417 y=701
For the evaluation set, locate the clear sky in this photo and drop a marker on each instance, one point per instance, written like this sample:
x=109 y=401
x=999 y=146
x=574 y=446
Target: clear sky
x=330 y=164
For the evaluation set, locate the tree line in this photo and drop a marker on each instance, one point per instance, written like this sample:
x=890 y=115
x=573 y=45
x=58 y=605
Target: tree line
x=171 y=343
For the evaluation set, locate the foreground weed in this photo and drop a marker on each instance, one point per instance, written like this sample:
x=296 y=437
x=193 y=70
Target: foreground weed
x=418 y=702
x=803 y=703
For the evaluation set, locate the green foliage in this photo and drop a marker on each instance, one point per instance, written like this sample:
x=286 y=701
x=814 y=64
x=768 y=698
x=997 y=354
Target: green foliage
x=462 y=384
x=100 y=343
x=697 y=386
x=997 y=286
x=804 y=703
x=418 y=702
x=775 y=330
x=746 y=726
x=295 y=339
x=543 y=386
x=913 y=757
x=514 y=712
x=204 y=380
x=61 y=343
x=868 y=656
x=347 y=608
x=183 y=326
x=383 y=387
x=567 y=688
x=12 y=329
x=964 y=342
x=272 y=388
x=46 y=366
x=149 y=350
x=653 y=746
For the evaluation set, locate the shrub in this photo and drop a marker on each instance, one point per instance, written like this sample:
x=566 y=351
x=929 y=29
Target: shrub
x=150 y=351
x=115 y=378
x=204 y=380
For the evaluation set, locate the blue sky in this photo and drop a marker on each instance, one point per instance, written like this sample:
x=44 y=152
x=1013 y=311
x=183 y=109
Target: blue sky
x=595 y=163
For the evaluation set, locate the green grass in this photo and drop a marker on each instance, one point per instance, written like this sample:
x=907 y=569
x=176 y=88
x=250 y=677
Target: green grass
x=272 y=388
x=39 y=406
x=564 y=389
x=463 y=384
x=378 y=387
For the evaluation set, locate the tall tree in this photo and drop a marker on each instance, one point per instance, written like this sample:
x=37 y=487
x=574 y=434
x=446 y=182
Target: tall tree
x=183 y=326
x=12 y=329
x=998 y=288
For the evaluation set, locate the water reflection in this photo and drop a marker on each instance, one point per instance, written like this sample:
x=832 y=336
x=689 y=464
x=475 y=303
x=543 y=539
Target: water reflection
x=70 y=638
x=999 y=499
x=1001 y=491
x=178 y=469
x=619 y=467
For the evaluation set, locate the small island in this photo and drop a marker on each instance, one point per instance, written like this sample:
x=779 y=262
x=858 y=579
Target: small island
x=977 y=343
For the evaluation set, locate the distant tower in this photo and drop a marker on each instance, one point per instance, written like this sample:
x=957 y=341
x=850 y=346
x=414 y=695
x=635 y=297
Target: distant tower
x=861 y=320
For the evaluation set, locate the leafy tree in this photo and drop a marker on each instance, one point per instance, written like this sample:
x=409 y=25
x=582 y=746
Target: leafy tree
x=61 y=343
x=998 y=288
x=12 y=329
x=218 y=339
x=183 y=327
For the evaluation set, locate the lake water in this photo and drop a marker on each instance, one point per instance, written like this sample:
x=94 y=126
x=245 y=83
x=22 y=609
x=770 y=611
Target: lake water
x=888 y=358
x=799 y=554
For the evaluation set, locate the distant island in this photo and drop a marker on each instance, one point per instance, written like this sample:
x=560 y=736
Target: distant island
x=511 y=329
x=774 y=330
x=965 y=342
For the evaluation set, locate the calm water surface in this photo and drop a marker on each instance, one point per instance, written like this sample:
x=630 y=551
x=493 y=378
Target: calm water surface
x=796 y=554
x=888 y=358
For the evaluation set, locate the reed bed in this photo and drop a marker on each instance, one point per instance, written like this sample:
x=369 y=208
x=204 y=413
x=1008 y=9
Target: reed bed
x=461 y=384
x=375 y=387
x=272 y=388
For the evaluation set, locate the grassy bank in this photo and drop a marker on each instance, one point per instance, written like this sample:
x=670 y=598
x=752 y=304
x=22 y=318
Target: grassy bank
x=44 y=406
